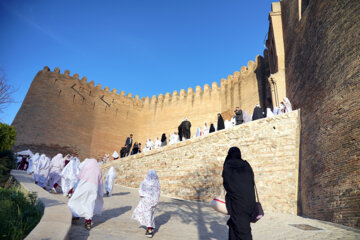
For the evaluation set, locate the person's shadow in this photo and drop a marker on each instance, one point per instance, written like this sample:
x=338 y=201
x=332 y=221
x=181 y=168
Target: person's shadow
x=109 y=214
x=118 y=194
x=161 y=220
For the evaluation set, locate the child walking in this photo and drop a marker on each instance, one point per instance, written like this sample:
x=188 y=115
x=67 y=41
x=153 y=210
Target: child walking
x=149 y=192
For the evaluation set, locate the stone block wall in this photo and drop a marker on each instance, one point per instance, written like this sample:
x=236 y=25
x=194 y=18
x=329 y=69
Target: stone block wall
x=61 y=113
x=192 y=169
x=322 y=51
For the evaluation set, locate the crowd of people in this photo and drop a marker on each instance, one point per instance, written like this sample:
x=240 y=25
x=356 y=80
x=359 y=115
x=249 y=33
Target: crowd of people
x=83 y=184
x=82 y=181
x=184 y=129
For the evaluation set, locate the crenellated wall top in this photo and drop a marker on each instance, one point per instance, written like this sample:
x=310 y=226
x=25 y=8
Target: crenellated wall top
x=190 y=92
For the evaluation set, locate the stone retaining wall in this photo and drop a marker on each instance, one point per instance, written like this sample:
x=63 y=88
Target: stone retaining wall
x=56 y=220
x=192 y=169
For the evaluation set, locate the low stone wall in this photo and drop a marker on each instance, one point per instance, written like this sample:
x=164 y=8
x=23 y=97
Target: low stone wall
x=192 y=169
x=56 y=220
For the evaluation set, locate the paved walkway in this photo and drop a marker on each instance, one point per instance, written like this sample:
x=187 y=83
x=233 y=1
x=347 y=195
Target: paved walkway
x=177 y=219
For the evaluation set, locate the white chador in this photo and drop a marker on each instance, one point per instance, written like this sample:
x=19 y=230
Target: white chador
x=149 y=145
x=246 y=117
x=269 y=113
x=32 y=160
x=206 y=129
x=174 y=138
x=41 y=170
x=288 y=107
x=157 y=143
x=109 y=181
x=233 y=121
x=56 y=166
x=228 y=124
x=69 y=175
x=149 y=192
x=198 y=132
x=87 y=199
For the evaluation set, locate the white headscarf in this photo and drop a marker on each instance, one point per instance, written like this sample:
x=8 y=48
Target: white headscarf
x=115 y=155
x=150 y=187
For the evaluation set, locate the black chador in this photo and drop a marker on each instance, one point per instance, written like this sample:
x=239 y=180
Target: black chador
x=258 y=113
x=220 y=124
x=212 y=128
x=184 y=130
x=238 y=178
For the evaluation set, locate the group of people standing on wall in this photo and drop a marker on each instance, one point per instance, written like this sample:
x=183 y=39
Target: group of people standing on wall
x=184 y=129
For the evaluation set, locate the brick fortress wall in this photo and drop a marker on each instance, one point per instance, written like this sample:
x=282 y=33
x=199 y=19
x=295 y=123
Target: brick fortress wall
x=322 y=52
x=64 y=114
x=192 y=169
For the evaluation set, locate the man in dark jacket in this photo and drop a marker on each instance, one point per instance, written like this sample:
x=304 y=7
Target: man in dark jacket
x=238 y=116
x=128 y=144
x=184 y=130
x=238 y=178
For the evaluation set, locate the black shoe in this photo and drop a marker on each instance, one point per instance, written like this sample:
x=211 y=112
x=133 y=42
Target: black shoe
x=107 y=193
x=149 y=233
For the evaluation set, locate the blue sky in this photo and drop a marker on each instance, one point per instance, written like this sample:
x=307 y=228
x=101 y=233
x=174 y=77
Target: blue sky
x=142 y=47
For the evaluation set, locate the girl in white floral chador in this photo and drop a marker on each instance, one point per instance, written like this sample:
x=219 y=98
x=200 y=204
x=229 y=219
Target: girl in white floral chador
x=149 y=192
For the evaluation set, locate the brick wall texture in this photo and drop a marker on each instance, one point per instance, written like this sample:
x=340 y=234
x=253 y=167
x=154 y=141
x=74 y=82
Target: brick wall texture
x=192 y=169
x=61 y=113
x=322 y=53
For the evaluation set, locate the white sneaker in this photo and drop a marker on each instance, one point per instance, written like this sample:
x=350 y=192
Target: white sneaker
x=53 y=190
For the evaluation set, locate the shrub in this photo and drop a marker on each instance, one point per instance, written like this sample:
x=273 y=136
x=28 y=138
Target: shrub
x=19 y=214
x=7 y=136
x=7 y=162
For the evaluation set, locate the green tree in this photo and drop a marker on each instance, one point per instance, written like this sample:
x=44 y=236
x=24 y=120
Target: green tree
x=7 y=136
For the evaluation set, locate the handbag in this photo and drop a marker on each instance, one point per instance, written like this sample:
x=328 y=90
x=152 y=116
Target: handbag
x=258 y=211
x=218 y=204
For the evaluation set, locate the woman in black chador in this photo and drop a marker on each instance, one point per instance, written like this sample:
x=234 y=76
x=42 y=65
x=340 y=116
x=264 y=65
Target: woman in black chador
x=238 y=178
x=212 y=128
x=221 y=124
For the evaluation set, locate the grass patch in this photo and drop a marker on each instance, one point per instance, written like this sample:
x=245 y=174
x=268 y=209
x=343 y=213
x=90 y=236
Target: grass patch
x=19 y=213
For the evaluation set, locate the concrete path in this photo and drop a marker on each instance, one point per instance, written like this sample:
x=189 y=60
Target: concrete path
x=177 y=219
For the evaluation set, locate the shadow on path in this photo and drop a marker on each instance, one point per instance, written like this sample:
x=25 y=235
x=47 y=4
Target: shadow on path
x=119 y=194
x=161 y=220
x=109 y=214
